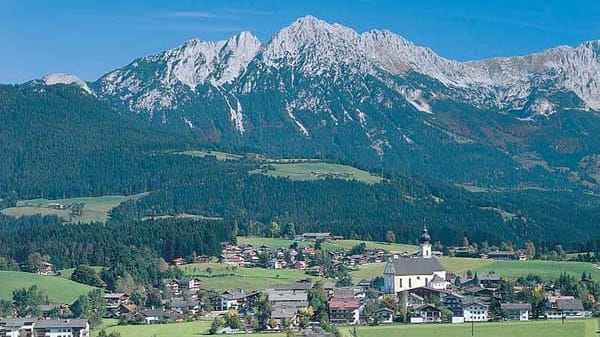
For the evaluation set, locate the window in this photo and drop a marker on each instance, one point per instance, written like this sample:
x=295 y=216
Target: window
x=409 y=282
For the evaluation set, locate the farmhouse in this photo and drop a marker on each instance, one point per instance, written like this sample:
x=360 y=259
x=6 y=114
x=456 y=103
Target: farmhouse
x=516 y=311
x=568 y=307
x=62 y=327
x=343 y=311
x=475 y=311
x=405 y=273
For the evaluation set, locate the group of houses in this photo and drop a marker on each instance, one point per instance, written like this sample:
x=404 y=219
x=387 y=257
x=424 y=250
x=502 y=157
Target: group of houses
x=421 y=281
x=34 y=327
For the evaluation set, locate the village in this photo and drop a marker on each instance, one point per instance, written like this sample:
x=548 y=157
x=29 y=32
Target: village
x=414 y=288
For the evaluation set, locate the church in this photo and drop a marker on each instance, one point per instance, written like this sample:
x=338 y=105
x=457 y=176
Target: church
x=405 y=273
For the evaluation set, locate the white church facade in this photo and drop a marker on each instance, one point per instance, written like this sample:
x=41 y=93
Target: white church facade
x=407 y=273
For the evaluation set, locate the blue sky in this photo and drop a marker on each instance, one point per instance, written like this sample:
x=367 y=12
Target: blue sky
x=90 y=38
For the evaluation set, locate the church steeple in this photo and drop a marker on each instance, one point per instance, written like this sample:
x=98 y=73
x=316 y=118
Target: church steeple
x=425 y=250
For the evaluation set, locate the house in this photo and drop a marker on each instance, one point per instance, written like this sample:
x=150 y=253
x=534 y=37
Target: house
x=475 y=311
x=454 y=303
x=172 y=285
x=300 y=265
x=343 y=310
x=16 y=327
x=405 y=273
x=364 y=284
x=233 y=299
x=282 y=312
x=489 y=280
x=202 y=259
x=567 y=307
x=182 y=306
x=516 y=311
x=438 y=283
x=316 y=236
x=501 y=255
x=61 y=327
x=114 y=300
x=178 y=261
x=290 y=298
x=46 y=268
x=48 y=310
x=383 y=315
x=191 y=284
x=414 y=300
x=426 y=313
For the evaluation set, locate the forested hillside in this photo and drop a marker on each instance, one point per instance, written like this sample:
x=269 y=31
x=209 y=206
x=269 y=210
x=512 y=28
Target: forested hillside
x=58 y=141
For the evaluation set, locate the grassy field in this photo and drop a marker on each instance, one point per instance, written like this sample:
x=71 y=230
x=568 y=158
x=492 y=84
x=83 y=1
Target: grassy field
x=187 y=329
x=545 y=269
x=575 y=328
x=328 y=245
x=66 y=273
x=58 y=289
x=580 y=328
x=247 y=278
x=182 y=216
x=317 y=170
x=95 y=209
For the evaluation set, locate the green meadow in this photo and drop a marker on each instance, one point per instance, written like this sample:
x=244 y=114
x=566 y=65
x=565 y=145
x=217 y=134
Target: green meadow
x=59 y=290
x=95 y=209
x=315 y=171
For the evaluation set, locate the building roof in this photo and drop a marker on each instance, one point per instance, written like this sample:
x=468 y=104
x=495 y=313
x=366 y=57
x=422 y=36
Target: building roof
x=569 y=304
x=489 y=277
x=115 y=295
x=286 y=295
x=280 y=312
x=343 y=303
x=413 y=266
x=61 y=323
x=515 y=306
x=17 y=322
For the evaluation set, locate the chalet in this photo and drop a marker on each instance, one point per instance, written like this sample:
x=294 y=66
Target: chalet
x=46 y=268
x=383 y=315
x=48 y=310
x=62 y=327
x=289 y=298
x=172 y=285
x=178 y=261
x=364 y=284
x=426 y=313
x=16 y=327
x=407 y=273
x=343 y=310
x=202 y=259
x=317 y=236
x=475 y=310
x=413 y=300
x=489 y=280
x=515 y=311
x=501 y=255
x=300 y=265
x=181 y=306
x=568 y=307
x=282 y=312
x=454 y=303
x=233 y=299
x=191 y=284
x=114 y=300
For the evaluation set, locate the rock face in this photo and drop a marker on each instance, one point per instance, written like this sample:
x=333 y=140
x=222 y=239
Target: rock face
x=321 y=89
x=59 y=78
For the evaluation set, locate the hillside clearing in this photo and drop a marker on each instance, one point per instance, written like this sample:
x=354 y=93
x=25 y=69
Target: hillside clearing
x=59 y=290
x=223 y=277
x=316 y=170
x=96 y=209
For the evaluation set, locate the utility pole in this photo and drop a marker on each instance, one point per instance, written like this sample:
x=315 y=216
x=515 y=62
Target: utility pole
x=472 y=327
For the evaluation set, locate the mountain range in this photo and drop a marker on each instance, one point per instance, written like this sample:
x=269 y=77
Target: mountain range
x=376 y=100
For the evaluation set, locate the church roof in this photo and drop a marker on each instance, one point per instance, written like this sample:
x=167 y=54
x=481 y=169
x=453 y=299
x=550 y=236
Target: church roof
x=413 y=266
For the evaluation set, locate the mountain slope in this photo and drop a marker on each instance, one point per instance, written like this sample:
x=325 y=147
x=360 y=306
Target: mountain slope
x=320 y=89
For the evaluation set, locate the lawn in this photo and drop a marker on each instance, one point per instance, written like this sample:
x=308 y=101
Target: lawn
x=187 y=329
x=317 y=170
x=327 y=245
x=247 y=278
x=545 y=269
x=574 y=328
x=59 y=290
x=95 y=209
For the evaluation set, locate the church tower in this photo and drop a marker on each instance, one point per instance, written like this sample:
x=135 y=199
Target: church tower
x=425 y=250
